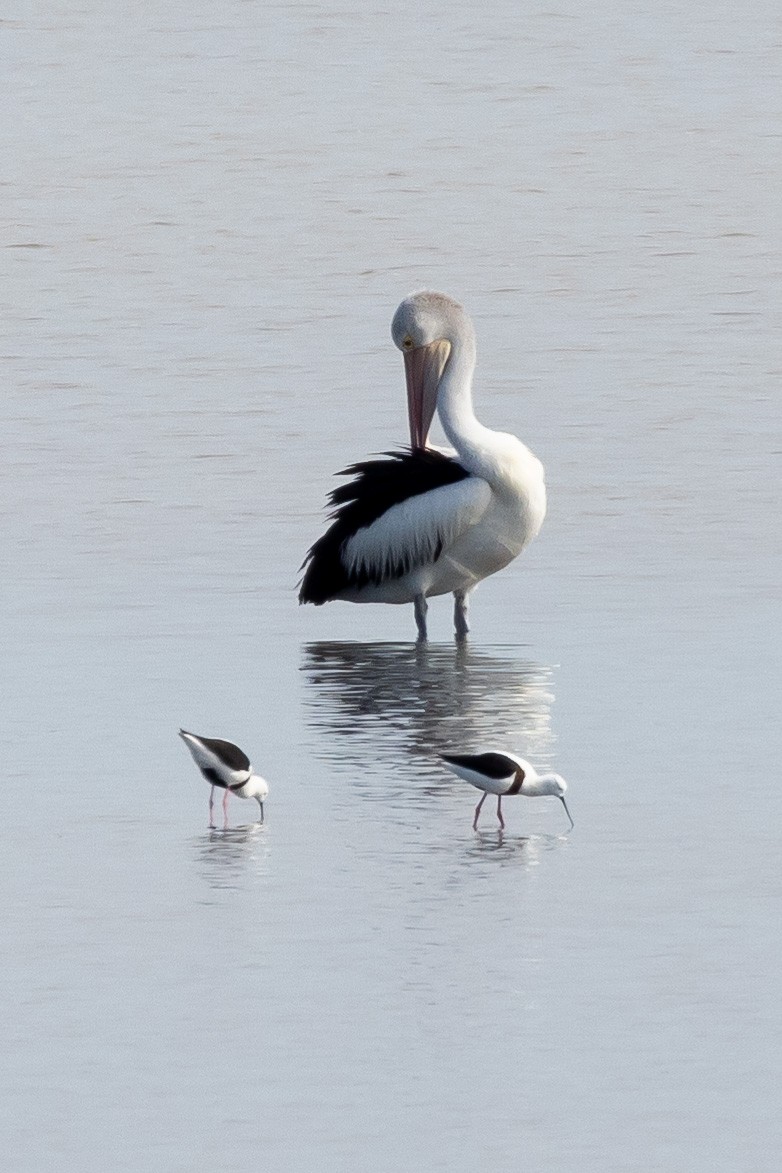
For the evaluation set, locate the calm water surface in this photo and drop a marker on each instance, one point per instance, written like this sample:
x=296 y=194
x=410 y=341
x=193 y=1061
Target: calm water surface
x=211 y=216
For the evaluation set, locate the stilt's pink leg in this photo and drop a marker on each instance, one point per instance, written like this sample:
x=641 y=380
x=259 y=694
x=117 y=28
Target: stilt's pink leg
x=499 y=811
x=477 y=812
x=211 y=806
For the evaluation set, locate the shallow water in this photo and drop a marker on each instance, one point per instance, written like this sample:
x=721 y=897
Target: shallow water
x=213 y=217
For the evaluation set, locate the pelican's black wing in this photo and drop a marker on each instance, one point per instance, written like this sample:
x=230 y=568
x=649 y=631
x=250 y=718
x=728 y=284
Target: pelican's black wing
x=377 y=487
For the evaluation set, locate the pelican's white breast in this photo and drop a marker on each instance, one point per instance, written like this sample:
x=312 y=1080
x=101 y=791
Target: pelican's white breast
x=513 y=515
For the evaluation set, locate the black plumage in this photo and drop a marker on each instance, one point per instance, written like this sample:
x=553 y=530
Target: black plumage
x=228 y=753
x=212 y=776
x=491 y=765
x=378 y=485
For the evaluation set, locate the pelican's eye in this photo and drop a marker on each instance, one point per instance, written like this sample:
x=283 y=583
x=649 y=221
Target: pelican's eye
x=407 y=343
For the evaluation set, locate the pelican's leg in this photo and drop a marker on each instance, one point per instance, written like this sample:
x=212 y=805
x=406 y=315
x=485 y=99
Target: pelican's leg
x=477 y=812
x=460 y=608
x=421 y=607
x=499 y=811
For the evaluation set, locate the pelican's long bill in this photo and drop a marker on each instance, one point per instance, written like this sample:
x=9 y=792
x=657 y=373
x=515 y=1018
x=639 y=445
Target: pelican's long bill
x=424 y=366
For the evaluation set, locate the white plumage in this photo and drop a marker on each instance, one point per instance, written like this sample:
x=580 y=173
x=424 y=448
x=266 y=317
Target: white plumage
x=425 y=523
x=423 y=530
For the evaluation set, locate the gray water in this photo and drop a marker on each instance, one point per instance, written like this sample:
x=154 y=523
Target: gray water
x=211 y=214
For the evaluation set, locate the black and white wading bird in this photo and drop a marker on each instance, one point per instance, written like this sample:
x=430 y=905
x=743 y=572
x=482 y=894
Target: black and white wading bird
x=225 y=765
x=420 y=523
x=504 y=774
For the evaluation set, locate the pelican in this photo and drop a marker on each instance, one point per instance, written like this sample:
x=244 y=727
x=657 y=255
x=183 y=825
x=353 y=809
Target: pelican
x=423 y=522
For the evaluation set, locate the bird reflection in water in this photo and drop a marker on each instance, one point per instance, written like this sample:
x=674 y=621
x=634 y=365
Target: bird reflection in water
x=524 y=849
x=380 y=706
x=224 y=857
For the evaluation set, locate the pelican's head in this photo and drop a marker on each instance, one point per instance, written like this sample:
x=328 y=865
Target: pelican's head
x=425 y=327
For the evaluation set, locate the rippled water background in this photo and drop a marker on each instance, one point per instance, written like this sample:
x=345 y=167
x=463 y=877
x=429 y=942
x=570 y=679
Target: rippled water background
x=211 y=213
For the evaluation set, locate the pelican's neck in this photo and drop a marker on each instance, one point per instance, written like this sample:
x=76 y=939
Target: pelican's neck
x=454 y=398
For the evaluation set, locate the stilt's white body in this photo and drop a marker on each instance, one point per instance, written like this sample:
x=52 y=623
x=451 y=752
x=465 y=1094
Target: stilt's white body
x=211 y=760
x=504 y=774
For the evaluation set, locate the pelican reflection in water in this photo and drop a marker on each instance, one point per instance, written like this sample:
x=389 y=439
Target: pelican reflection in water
x=374 y=708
